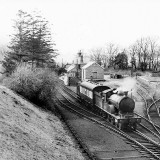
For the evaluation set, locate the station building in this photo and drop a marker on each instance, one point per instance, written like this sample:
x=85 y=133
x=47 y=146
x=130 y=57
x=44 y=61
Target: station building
x=73 y=75
x=81 y=71
x=92 y=71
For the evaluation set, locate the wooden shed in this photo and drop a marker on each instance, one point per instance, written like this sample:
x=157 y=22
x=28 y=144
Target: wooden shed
x=92 y=70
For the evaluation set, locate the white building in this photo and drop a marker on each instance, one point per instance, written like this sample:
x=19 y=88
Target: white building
x=92 y=70
x=71 y=71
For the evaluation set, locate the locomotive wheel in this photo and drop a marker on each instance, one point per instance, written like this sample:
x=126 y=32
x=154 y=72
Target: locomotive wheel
x=103 y=115
x=134 y=126
x=95 y=110
x=113 y=121
x=109 y=119
x=106 y=116
x=120 y=126
x=99 y=112
x=117 y=125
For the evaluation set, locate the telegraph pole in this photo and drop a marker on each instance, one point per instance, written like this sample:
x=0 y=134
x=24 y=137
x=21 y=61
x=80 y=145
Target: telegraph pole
x=62 y=62
x=77 y=69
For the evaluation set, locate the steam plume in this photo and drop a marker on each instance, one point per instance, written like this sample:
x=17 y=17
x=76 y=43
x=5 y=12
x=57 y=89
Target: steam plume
x=128 y=84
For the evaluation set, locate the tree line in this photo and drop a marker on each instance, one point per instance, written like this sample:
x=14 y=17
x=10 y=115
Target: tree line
x=142 y=55
x=31 y=43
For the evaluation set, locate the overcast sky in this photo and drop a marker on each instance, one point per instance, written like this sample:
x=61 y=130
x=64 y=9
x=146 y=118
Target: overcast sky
x=85 y=24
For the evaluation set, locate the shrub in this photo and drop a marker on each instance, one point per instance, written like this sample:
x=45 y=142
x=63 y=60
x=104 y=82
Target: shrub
x=37 y=85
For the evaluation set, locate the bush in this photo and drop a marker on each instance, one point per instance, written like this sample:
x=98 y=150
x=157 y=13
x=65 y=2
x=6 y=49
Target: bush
x=109 y=71
x=37 y=85
x=138 y=74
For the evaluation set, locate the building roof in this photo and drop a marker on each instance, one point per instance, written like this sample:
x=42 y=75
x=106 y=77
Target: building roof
x=90 y=64
x=70 y=67
x=67 y=66
x=93 y=86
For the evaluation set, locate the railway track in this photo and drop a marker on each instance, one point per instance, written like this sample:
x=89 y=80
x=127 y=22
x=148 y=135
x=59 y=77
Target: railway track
x=152 y=129
x=152 y=101
x=150 y=116
x=148 y=120
x=154 y=116
x=147 y=145
x=147 y=124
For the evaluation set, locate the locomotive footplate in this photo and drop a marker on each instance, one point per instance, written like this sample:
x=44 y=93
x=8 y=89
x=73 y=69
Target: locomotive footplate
x=129 y=120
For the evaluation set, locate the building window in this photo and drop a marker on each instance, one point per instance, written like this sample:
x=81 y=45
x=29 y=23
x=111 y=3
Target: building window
x=85 y=91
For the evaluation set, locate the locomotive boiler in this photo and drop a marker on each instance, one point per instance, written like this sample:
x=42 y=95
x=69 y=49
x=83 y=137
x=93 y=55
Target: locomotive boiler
x=117 y=107
x=122 y=103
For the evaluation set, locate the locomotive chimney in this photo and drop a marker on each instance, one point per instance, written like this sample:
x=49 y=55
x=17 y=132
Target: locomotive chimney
x=126 y=93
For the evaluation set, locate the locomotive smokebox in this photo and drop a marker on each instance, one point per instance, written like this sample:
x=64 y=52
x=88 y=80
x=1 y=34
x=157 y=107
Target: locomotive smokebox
x=123 y=103
x=126 y=105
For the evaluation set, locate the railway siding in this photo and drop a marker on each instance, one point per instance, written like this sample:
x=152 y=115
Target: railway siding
x=104 y=143
x=142 y=110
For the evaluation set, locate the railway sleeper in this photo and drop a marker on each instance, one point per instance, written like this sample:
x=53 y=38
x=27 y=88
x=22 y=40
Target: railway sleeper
x=82 y=145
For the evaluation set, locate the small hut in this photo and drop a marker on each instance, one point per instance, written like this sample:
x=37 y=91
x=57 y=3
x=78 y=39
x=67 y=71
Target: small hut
x=93 y=71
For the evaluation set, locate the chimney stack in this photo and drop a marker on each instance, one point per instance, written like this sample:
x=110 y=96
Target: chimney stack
x=80 y=57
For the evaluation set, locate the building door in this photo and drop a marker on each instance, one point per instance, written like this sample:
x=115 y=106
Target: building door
x=94 y=75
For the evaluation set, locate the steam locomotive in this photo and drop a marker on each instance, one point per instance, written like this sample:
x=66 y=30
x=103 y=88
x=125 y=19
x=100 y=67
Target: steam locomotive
x=112 y=104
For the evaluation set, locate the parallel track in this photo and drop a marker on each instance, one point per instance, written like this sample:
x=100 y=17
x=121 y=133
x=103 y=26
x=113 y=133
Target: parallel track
x=147 y=145
x=148 y=107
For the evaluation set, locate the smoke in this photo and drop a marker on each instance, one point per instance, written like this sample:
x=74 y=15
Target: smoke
x=128 y=84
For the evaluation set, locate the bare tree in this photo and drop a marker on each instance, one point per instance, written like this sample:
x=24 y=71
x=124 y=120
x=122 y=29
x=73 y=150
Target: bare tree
x=156 y=61
x=104 y=59
x=144 y=54
x=153 y=52
x=104 y=56
x=96 y=55
x=144 y=44
x=111 y=52
x=133 y=53
x=140 y=49
x=145 y=50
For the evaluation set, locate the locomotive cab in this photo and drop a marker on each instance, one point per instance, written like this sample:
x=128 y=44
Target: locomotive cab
x=107 y=93
x=107 y=105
